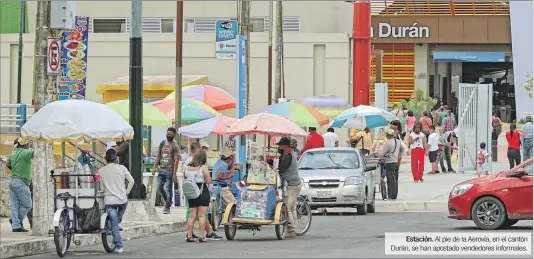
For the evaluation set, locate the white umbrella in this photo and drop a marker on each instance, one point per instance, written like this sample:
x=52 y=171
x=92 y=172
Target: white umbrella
x=72 y=120
x=362 y=117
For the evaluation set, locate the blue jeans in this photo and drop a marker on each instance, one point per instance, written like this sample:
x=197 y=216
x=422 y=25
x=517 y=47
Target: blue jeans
x=115 y=213
x=527 y=149
x=165 y=187
x=21 y=201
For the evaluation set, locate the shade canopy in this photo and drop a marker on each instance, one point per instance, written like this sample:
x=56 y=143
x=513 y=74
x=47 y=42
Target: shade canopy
x=73 y=120
x=214 y=97
x=151 y=115
x=302 y=115
x=216 y=125
x=328 y=105
x=192 y=111
x=362 y=117
x=267 y=124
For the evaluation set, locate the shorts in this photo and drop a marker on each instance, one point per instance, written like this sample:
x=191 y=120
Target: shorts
x=433 y=156
x=483 y=168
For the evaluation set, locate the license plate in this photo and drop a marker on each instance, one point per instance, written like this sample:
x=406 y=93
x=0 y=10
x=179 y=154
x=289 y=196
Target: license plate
x=324 y=194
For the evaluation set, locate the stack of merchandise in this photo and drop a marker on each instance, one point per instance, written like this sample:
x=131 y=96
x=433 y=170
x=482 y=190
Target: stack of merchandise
x=261 y=175
x=257 y=204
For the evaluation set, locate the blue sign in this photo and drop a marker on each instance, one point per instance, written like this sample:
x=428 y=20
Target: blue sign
x=72 y=81
x=241 y=93
x=469 y=57
x=226 y=39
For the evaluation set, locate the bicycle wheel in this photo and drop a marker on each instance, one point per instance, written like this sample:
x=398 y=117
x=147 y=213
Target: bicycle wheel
x=214 y=217
x=383 y=189
x=107 y=238
x=63 y=234
x=304 y=217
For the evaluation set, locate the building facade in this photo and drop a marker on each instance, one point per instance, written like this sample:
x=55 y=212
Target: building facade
x=316 y=42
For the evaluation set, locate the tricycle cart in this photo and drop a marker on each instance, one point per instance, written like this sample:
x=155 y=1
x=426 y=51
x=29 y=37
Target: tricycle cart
x=73 y=121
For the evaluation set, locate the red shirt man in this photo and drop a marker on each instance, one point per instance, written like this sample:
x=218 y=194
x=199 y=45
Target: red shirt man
x=315 y=140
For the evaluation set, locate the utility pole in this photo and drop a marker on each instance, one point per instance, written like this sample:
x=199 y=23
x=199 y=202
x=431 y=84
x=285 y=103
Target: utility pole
x=22 y=30
x=44 y=84
x=245 y=30
x=278 y=30
x=136 y=96
x=178 y=75
x=270 y=57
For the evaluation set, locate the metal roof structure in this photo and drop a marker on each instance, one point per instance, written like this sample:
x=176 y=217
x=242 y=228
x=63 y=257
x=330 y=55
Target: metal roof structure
x=436 y=7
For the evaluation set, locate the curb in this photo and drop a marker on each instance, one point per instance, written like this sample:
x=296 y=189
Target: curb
x=393 y=206
x=46 y=244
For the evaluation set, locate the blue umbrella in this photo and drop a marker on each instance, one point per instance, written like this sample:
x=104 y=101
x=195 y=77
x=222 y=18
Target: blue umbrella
x=362 y=117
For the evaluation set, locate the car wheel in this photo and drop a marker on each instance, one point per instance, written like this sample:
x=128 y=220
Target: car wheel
x=489 y=213
x=371 y=207
x=509 y=223
x=362 y=209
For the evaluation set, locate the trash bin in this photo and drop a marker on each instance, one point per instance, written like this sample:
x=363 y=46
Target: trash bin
x=494 y=150
x=502 y=114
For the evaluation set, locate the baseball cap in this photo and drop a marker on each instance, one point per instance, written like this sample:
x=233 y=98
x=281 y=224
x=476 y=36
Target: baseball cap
x=226 y=153
x=111 y=155
x=284 y=141
x=390 y=132
x=204 y=144
x=111 y=144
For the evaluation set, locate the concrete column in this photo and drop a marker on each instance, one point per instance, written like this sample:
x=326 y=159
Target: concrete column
x=421 y=66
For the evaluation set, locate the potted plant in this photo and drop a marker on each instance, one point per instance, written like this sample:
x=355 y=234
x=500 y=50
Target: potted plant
x=419 y=103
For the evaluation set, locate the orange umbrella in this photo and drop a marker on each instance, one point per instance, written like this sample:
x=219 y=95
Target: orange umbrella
x=266 y=123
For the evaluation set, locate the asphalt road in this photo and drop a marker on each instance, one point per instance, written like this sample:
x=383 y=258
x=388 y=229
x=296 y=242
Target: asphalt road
x=330 y=237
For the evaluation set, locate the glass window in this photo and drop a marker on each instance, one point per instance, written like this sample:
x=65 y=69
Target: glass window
x=109 y=25
x=167 y=25
x=257 y=25
x=339 y=159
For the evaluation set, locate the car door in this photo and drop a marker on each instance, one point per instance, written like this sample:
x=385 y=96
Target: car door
x=520 y=192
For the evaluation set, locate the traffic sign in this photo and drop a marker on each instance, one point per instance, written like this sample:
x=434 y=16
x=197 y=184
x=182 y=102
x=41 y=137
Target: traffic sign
x=53 y=56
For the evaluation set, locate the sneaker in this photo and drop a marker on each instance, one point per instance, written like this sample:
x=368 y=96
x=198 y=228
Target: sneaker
x=415 y=181
x=190 y=240
x=194 y=236
x=201 y=240
x=451 y=171
x=119 y=250
x=21 y=229
x=421 y=180
x=213 y=236
x=166 y=210
x=385 y=199
x=21 y=225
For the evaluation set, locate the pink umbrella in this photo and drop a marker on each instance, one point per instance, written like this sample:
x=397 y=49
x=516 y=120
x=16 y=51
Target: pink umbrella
x=222 y=125
x=266 y=123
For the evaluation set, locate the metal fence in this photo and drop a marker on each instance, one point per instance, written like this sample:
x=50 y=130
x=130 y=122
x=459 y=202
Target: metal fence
x=13 y=116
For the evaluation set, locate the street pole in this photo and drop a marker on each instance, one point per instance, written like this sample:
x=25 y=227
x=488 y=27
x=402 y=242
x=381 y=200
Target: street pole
x=245 y=30
x=361 y=65
x=136 y=97
x=178 y=75
x=22 y=30
x=43 y=160
x=270 y=57
x=278 y=52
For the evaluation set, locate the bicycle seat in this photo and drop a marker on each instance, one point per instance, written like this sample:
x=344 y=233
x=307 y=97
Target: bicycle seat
x=64 y=196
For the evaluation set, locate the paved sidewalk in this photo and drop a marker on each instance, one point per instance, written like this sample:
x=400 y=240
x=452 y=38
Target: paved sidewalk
x=23 y=244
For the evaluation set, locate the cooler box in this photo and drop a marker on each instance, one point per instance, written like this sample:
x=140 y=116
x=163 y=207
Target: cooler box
x=257 y=203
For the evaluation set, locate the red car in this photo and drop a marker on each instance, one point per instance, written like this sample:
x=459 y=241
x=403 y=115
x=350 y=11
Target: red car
x=494 y=201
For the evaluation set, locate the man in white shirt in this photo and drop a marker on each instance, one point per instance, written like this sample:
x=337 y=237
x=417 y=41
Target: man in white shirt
x=330 y=138
x=433 y=145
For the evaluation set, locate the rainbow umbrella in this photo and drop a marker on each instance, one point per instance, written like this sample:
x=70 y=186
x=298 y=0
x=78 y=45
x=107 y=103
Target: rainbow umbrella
x=215 y=97
x=328 y=105
x=192 y=111
x=302 y=115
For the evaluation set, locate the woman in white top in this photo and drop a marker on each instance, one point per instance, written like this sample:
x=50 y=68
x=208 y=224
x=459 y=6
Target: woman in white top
x=418 y=143
x=198 y=172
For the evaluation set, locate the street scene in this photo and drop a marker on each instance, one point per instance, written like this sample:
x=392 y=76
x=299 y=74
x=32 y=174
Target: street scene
x=397 y=129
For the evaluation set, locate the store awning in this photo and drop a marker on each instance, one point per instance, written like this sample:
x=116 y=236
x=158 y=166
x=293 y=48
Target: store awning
x=469 y=57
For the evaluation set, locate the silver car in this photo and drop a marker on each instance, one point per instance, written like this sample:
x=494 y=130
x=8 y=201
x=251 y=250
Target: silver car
x=337 y=177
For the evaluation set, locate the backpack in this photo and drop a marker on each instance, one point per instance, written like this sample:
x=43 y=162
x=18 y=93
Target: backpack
x=497 y=127
x=191 y=190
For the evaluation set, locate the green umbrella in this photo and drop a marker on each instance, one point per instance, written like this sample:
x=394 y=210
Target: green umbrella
x=151 y=115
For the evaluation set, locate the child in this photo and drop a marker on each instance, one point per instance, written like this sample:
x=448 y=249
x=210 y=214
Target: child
x=482 y=163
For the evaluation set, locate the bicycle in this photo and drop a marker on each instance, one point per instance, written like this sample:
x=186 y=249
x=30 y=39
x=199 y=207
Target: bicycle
x=304 y=214
x=216 y=208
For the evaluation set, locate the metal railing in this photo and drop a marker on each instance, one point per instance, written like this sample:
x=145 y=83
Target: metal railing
x=446 y=8
x=11 y=123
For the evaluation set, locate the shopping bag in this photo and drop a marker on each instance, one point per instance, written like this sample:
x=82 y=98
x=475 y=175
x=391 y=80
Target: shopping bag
x=89 y=219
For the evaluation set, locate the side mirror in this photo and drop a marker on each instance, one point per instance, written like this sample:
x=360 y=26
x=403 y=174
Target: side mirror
x=518 y=173
x=369 y=168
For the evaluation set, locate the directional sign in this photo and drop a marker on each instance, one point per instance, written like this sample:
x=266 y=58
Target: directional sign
x=53 y=56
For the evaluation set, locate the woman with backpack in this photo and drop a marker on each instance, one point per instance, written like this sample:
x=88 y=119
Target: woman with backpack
x=196 y=190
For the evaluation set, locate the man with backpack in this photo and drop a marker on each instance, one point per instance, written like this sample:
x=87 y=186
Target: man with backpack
x=496 y=126
x=167 y=159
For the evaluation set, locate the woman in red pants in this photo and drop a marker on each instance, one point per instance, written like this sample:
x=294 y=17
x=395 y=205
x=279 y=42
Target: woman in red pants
x=417 y=142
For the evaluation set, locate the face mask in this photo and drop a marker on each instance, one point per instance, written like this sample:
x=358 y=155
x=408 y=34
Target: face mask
x=281 y=151
x=170 y=138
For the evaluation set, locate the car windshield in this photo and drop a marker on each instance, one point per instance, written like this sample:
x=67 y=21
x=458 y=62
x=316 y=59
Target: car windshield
x=331 y=159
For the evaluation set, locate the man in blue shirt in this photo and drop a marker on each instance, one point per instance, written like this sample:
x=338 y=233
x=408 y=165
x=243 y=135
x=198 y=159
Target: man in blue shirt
x=223 y=171
x=527 y=138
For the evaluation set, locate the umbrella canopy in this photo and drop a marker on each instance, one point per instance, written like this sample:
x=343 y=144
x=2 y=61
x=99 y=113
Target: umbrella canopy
x=328 y=105
x=362 y=117
x=192 y=111
x=72 y=120
x=266 y=123
x=215 y=97
x=151 y=115
x=302 y=115
x=216 y=125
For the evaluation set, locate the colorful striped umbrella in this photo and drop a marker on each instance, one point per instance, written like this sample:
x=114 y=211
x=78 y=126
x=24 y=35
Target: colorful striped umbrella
x=192 y=111
x=362 y=117
x=329 y=105
x=302 y=115
x=151 y=115
x=267 y=124
x=215 y=97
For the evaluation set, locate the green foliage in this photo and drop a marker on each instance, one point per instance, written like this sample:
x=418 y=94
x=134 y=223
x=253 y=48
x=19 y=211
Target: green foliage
x=420 y=103
x=528 y=85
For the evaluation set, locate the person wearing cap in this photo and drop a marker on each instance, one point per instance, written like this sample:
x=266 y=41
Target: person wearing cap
x=205 y=146
x=391 y=151
x=20 y=165
x=112 y=178
x=167 y=158
x=527 y=132
x=223 y=171
x=288 y=172
x=315 y=140
x=112 y=144
x=362 y=141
